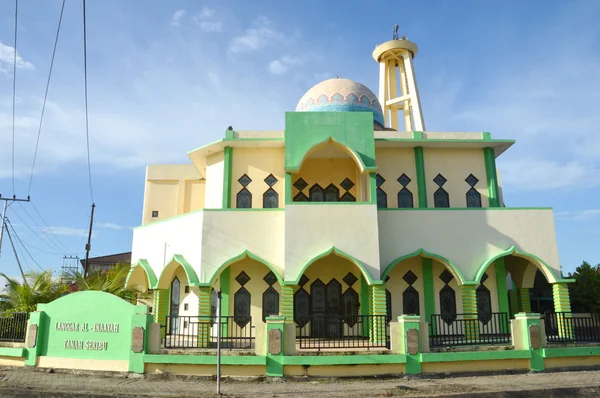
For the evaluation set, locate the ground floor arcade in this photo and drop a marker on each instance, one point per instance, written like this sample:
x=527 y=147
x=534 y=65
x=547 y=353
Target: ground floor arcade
x=334 y=303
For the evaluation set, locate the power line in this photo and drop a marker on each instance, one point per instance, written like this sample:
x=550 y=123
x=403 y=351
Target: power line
x=14 y=94
x=45 y=95
x=48 y=227
x=47 y=242
x=21 y=242
x=87 y=131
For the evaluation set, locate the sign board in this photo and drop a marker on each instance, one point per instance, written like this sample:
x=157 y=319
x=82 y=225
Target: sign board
x=87 y=325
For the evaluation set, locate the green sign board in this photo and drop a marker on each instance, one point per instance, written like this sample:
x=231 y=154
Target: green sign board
x=87 y=325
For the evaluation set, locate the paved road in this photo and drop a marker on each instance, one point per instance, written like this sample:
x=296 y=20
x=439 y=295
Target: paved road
x=27 y=383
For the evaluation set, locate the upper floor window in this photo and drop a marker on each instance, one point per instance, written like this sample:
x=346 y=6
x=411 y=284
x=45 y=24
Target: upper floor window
x=154 y=213
x=440 y=196
x=270 y=197
x=244 y=197
x=473 y=196
x=405 y=196
x=381 y=195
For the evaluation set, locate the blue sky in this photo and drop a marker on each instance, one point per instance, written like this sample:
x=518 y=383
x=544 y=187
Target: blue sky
x=166 y=77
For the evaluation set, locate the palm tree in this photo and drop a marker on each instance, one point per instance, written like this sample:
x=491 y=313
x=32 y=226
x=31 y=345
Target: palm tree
x=38 y=288
x=111 y=281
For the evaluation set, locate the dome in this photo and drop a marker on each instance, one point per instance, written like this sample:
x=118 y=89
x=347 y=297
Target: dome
x=341 y=95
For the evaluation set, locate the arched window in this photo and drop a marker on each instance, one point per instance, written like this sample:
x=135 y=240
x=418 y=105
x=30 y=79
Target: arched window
x=473 y=197
x=244 y=199
x=270 y=199
x=381 y=195
x=447 y=299
x=316 y=193
x=410 y=296
x=405 y=196
x=301 y=197
x=241 y=301
x=270 y=303
x=484 y=302
x=347 y=197
x=332 y=193
x=350 y=306
x=440 y=196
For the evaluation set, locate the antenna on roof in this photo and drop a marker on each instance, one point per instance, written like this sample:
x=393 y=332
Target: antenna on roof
x=395 y=34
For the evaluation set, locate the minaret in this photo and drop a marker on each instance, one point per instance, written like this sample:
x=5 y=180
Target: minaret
x=398 y=91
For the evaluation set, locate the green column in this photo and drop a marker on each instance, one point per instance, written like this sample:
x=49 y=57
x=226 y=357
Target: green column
x=524 y=300
x=286 y=308
x=513 y=302
x=136 y=359
x=227 y=166
x=562 y=306
x=428 y=289
x=365 y=303
x=161 y=309
x=204 y=320
x=373 y=188
x=421 y=182
x=492 y=177
x=501 y=290
x=288 y=188
x=40 y=319
x=378 y=307
x=469 y=301
x=224 y=283
x=413 y=361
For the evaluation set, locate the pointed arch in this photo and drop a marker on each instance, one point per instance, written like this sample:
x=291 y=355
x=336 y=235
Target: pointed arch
x=335 y=251
x=145 y=267
x=243 y=255
x=331 y=141
x=513 y=251
x=177 y=261
x=423 y=253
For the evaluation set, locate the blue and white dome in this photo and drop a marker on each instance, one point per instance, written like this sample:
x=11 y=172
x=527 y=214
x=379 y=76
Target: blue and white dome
x=341 y=95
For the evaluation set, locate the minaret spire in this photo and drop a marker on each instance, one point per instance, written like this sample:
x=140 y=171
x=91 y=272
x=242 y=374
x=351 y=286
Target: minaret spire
x=395 y=58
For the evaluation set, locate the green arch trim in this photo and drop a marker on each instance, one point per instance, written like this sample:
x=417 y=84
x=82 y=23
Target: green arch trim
x=355 y=156
x=192 y=277
x=538 y=262
x=422 y=252
x=243 y=255
x=143 y=263
x=338 y=253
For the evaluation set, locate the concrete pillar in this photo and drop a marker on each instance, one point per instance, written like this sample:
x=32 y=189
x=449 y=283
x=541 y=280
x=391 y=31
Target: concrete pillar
x=409 y=326
x=161 y=308
x=204 y=316
x=469 y=300
x=527 y=334
x=275 y=345
x=378 y=307
x=286 y=306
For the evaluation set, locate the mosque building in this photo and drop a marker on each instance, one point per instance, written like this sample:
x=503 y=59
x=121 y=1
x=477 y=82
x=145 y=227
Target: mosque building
x=351 y=216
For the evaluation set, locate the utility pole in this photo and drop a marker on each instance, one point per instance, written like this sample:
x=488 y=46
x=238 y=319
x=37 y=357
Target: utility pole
x=16 y=255
x=88 y=246
x=6 y=200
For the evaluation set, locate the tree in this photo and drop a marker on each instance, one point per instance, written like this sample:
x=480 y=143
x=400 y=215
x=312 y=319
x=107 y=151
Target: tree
x=39 y=288
x=585 y=291
x=111 y=281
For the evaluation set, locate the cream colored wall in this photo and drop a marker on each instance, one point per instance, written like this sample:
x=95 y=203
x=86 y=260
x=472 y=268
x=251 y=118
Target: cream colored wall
x=256 y=286
x=474 y=366
x=191 y=298
x=171 y=189
x=258 y=163
x=455 y=165
x=205 y=370
x=487 y=233
x=396 y=285
x=227 y=234
x=112 y=365
x=349 y=228
x=392 y=163
x=214 y=181
x=343 y=370
x=328 y=171
x=438 y=284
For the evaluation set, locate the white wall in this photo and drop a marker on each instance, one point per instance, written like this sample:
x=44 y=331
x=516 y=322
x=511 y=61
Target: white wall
x=214 y=182
x=158 y=242
x=313 y=229
x=468 y=237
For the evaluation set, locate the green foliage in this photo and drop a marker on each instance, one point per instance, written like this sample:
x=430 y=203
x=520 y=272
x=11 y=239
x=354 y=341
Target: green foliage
x=24 y=297
x=585 y=292
x=111 y=281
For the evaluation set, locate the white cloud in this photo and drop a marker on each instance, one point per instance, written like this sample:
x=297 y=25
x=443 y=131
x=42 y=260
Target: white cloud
x=206 y=21
x=530 y=173
x=282 y=65
x=211 y=26
x=66 y=231
x=7 y=54
x=580 y=215
x=110 y=225
x=256 y=38
x=177 y=17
